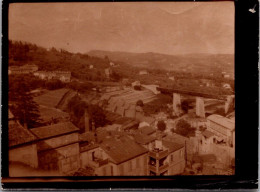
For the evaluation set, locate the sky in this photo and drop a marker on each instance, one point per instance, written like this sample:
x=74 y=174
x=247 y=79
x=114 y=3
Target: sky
x=162 y=27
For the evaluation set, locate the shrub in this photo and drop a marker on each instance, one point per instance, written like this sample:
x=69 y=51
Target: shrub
x=184 y=128
x=161 y=125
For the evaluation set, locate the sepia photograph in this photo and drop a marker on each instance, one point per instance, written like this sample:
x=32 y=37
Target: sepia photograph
x=121 y=89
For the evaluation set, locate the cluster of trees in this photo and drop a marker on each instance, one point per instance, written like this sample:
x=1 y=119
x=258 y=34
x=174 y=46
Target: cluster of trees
x=21 y=53
x=158 y=105
x=21 y=102
x=35 y=83
x=184 y=128
x=54 y=84
x=77 y=108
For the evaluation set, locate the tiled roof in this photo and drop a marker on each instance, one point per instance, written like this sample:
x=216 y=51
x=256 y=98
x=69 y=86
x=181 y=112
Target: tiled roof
x=172 y=146
x=207 y=133
x=223 y=121
x=87 y=136
x=48 y=114
x=54 y=130
x=18 y=135
x=176 y=138
x=143 y=139
x=117 y=119
x=87 y=146
x=147 y=130
x=51 y=98
x=122 y=149
x=231 y=116
x=101 y=135
x=146 y=119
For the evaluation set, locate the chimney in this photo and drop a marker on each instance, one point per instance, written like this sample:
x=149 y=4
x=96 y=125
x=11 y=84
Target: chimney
x=87 y=127
x=158 y=144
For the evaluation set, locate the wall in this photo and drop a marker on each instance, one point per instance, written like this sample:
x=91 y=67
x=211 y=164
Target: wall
x=134 y=167
x=26 y=154
x=225 y=154
x=86 y=157
x=222 y=132
x=57 y=141
x=64 y=159
x=176 y=162
x=206 y=145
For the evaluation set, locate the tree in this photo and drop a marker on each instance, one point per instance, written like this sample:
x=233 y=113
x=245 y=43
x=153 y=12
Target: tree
x=114 y=76
x=185 y=106
x=161 y=125
x=106 y=59
x=184 y=128
x=77 y=109
x=54 y=84
x=97 y=115
x=24 y=108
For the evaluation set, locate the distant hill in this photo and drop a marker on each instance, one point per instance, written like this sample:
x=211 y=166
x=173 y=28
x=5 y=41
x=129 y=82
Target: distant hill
x=190 y=62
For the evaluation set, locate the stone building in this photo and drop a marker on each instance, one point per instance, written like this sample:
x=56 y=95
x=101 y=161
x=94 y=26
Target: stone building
x=58 y=147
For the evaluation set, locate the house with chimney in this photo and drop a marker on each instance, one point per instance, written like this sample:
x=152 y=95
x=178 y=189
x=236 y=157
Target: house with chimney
x=113 y=154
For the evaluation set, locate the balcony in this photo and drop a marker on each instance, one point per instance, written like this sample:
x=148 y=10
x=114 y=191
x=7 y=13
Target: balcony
x=163 y=167
x=158 y=154
x=152 y=168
